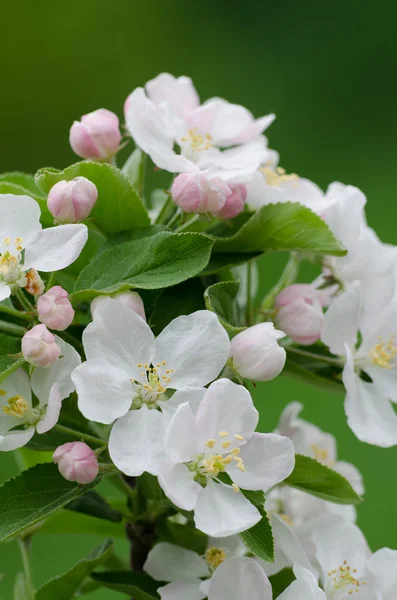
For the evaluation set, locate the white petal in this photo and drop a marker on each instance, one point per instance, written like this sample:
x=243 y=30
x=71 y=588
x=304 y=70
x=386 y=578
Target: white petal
x=240 y=578
x=288 y=549
x=341 y=321
x=104 y=391
x=167 y=562
x=180 y=441
x=136 y=442
x=298 y=590
x=178 y=93
x=369 y=414
x=168 y=160
x=17 y=384
x=43 y=378
x=226 y=407
x=268 y=460
x=15 y=439
x=352 y=474
x=196 y=346
x=53 y=409
x=5 y=291
x=220 y=511
x=247 y=156
x=260 y=193
x=178 y=484
x=148 y=123
x=55 y=248
x=232 y=545
x=225 y=122
x=20 y=218
x=193 y=396
x=120 y=337
x=382 y=572
x=182 y=590
x=384 y=379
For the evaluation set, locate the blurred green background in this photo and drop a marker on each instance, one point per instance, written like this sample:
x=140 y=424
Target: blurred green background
x=326 y=69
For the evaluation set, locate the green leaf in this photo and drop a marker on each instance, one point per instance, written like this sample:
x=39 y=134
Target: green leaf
x=284 y=226
x=162 y=260
x=259 y=539
x=9 y=345
x=182 y=535
x=182 y=299
x=220 y=298
x=138 y=585
x=94 y=505
x=133 y=169
x=65 y=586
x=314 y=478
x=33 y=495
x=326 y=378
x=78 y=523
x=25 y=180
x=118 y=206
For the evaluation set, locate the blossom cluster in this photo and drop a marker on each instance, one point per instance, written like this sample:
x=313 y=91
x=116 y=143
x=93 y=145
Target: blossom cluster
x=172 y=399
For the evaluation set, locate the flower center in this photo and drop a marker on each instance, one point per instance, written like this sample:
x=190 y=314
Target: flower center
x=215 y=557
x=18 y=407
x=195 y=142
x=277 y=176
x=384 y=354
x=344 y=578
x=153 y=385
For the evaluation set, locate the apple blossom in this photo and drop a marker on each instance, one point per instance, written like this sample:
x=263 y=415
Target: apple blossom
x=198 y=192
x=76 y=462
x=72 y=201
x=54 y=309
x=129 y=299
x=96 y=136
x=234 y=204
x=220 y=438
x=367 y=404
x=49 y=384
x=256 y=354
x=128 y=374
x=39 y=347
x=381 y=573
x=240 y=578
x=168 y=112
x=45 y=250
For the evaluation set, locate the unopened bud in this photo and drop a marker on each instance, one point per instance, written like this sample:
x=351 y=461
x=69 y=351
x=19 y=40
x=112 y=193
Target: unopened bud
x=255 y=352
x=300 y=312
x=96 y=136
x=54 y=309
x=197 y=193
x=72 y=201
x=234 y=204
x=39 y=347
x=34 y=285
x=131 y=300
x=76 y=462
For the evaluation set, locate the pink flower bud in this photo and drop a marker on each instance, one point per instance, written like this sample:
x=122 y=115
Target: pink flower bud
x=72 y=201
x=300 y=312
x=76 y=462
x=196 y=192
x=54 y=309
x=234 y=204
x=39 y=347
x=131 y=300
x=255 y=352
x=96 y=136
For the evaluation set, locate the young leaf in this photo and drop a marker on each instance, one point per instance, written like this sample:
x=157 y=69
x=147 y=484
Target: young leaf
x=259 y=539
x=314 y=478
x=159 y=261
x=78 y=523
x=118 y=206
x=221 y=299
x=94 y=505
x=65 y=586
x=182 y=299
x=284 y=226
x=25 y=180
x=138 y=585
x=33 y=495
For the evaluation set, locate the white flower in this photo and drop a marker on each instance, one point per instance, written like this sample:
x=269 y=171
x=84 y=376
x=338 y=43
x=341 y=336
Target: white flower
x=305 y=587
x=381 y=573
x=240 y=578
x=220 y=438
x=168 y=112
x=45 y=250
x=19 y=418
x=128 y=373
x=342 y=554
x=188 y=573
x=367 y=403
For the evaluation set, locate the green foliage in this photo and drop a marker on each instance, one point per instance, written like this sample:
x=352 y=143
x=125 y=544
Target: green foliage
x=20 y=591
x=281 y=581
x=286 y=226
x=34 y=495
x=118 y=206
x=9 y=346
x=138 y=585
x=94 y=505
x=160 y=261
x=182 y=535
x=316 y=373
x=75 y=523
x=259 y=539
x=221 y=299
x=67 y=585
x=182 y=299
x=133 y=169
x=311 y=476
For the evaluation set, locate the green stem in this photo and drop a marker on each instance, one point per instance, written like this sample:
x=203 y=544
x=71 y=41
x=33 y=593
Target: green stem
x=12 y=328
x=16 y=365
x=22 y=299
x=29 y=587
x=248 y=308
x=175 y=218
x=328 y=359
x=186 y=225
x=123 y=486
x=288 y=276
x=50 y=281
x=80 y=435
x=165 y=209
x=13 y=312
